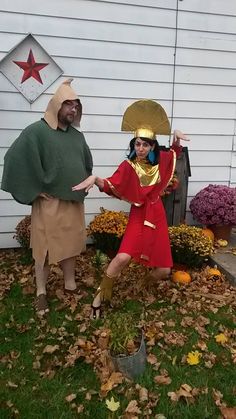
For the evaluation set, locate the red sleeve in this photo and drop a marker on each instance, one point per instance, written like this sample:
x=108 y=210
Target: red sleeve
x=124 y=184
x=177 y=149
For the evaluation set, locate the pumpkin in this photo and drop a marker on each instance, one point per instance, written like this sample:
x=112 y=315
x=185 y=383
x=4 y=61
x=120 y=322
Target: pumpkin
x=208 y=233
x=213 y=273
x=181 y=277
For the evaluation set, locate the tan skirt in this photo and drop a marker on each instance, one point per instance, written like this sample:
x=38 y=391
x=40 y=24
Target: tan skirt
x=57 y=229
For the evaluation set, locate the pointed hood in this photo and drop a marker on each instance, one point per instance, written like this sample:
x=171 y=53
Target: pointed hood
x=64 y=92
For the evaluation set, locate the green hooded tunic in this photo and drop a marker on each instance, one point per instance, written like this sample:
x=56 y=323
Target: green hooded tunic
x=46 y=160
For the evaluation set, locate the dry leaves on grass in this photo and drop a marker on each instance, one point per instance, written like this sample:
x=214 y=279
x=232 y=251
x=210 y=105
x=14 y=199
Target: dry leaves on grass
x=201 y=295
x=185 y=392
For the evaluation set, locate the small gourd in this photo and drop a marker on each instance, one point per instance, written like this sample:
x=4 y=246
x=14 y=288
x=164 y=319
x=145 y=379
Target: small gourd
x=208 y=233
x=181 y=277
x=213 y=273
x=222 y=243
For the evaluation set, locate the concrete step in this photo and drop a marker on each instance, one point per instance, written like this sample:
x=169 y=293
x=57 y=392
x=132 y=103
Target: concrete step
x=225 y=259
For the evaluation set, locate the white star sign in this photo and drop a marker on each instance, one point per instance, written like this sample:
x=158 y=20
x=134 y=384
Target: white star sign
x=30 y=68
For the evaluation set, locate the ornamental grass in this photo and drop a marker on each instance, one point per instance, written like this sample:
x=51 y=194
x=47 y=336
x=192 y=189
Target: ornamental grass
x=107 y=229
x=189 y=246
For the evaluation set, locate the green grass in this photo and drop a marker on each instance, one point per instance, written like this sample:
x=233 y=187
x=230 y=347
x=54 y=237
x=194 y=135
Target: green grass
x=38 y=393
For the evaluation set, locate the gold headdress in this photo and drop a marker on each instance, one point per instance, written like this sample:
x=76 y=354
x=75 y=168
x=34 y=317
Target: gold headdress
x=146 y=118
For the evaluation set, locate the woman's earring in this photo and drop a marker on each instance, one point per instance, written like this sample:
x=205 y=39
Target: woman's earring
x=151 y=156
x=132 y=154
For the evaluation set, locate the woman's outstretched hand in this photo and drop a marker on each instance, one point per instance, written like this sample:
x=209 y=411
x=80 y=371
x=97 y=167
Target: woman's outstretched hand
x=178 y=135
x=87 y=184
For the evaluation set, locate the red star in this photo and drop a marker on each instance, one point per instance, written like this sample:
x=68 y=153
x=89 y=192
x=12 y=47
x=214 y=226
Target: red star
x=31 y=68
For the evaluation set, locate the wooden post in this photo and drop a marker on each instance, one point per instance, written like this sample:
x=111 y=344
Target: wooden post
x=175 y=203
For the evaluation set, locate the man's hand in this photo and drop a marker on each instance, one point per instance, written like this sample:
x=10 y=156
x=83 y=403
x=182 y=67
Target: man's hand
x=87 y=184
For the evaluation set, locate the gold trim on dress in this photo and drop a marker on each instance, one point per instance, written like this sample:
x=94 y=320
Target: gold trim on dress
x=173 y=167
x=148 y=224
x=145 y=257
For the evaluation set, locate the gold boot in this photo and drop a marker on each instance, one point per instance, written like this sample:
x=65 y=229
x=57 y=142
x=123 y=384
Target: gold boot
x=105 y=288
x=105 y=291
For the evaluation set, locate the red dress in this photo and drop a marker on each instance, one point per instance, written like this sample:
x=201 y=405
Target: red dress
x=146 y=237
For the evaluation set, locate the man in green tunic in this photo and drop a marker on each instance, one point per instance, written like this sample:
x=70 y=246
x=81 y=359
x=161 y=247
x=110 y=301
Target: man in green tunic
x=40 y=168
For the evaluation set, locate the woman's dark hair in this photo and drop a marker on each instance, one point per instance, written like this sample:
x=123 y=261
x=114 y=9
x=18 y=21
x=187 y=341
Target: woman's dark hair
x=132 y=155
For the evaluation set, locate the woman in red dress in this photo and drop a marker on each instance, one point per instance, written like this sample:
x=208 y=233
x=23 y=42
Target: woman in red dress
x=140 y=180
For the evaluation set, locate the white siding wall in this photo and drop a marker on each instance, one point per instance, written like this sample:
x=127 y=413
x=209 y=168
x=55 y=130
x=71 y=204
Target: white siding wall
x=121 y=52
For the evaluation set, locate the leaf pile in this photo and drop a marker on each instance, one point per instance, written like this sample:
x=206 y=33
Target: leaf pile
x=189 y=330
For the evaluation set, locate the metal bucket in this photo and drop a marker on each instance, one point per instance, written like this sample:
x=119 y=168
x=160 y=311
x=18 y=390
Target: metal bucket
x=132 y=365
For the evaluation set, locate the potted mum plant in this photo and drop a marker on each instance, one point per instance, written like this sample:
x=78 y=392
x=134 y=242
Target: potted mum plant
x=214 y=207
x=189 y=246
x=107 y=230
x=126 y=344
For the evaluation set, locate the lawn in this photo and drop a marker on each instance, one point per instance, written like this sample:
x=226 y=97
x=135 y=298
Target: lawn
x=58 y=366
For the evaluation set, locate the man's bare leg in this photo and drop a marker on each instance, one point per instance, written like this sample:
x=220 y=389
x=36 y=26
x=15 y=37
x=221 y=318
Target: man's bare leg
x=41 y=274
x=68 y=267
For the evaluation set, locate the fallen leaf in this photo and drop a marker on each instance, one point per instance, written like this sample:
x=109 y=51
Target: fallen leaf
x=193 y=358
x=114 y=379
x=221 y=338
x=228 y=412
x=133 y=407
x=11 y=384
x=49 y=349
x=70 y=397
x=143 y=394
x=24 y=279
x=80 y=408
x=152 y=359
x=112 y=405
x=217 y=396
x=88 y=396
x=162 y=379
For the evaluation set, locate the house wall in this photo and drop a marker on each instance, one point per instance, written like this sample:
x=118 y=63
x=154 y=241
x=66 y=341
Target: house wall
x=121 y=52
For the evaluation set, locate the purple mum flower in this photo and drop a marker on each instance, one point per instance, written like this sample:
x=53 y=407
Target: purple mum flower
x=215 y=204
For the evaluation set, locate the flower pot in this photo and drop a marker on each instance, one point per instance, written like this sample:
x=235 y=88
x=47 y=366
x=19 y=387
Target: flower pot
x=131 y=365
x=111 y=253
x=221 y=231
x=180 y=267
